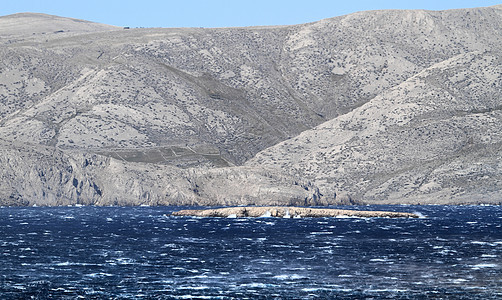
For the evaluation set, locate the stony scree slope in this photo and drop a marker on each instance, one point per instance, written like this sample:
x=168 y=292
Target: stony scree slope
x=204 y=102
x=435 y=138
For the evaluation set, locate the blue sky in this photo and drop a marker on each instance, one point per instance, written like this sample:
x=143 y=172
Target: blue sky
x=218 y=13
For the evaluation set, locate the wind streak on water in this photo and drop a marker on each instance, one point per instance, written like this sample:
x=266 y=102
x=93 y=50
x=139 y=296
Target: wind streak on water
x=138 y=252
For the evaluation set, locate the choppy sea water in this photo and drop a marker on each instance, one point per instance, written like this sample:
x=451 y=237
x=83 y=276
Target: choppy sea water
x=139 y=252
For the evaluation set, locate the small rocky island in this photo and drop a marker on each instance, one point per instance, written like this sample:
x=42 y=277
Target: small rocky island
x=289 y=212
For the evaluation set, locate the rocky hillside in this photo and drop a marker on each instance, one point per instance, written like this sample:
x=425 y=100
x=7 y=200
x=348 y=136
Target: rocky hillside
x=379 y=106
x=435 y=138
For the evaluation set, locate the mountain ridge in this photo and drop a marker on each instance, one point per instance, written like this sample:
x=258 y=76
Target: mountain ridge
x=206 y=105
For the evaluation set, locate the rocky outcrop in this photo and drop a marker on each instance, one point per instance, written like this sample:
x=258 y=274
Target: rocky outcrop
x=289 y=212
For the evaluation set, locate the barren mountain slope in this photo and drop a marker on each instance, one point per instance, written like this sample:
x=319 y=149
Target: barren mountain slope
x=231 y=91
x=44 y=175
x=23 y=24
x=436 y=138
x=204 y=100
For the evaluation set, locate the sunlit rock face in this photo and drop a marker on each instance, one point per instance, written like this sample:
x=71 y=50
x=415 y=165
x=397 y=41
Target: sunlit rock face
x=378 y=107
x=288 y=212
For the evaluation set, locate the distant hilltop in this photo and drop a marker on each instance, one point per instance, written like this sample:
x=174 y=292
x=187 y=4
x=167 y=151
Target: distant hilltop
x=376 y=107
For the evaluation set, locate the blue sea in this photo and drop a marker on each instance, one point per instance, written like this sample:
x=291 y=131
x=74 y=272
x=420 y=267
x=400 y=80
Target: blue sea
x=453 y=252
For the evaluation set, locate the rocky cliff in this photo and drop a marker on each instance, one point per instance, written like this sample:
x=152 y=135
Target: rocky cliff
x=379 y=107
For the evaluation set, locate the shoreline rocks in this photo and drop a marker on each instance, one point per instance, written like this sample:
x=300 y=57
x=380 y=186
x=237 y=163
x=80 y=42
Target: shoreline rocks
x=289 y=212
